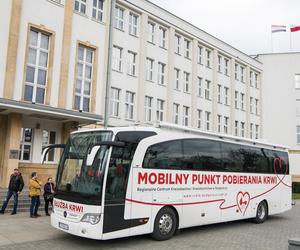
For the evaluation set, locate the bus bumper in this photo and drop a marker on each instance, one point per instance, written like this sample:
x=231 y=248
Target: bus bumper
x=81 y=229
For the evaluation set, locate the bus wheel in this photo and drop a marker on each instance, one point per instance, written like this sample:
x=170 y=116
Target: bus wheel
x=165 y=224
x=261 y=212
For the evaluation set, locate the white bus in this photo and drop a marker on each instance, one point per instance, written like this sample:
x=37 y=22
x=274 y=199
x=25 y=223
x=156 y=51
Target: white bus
x=129 y=181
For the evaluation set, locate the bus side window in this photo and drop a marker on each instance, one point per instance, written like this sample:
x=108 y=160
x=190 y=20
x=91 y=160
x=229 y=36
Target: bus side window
x=166 y=155
x=233 y=157
x=202 y=155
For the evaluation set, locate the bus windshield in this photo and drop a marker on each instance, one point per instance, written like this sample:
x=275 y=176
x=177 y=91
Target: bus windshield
x=76 y=180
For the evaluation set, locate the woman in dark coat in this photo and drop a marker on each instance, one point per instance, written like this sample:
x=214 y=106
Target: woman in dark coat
x=48 y=194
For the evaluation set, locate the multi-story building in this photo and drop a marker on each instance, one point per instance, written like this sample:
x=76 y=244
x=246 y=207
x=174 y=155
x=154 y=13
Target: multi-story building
x=53 y=75
x=281 y=103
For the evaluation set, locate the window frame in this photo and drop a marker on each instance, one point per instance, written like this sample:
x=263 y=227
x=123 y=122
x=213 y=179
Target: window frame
x=129 y=105
x=83 y=79
x=114 y=102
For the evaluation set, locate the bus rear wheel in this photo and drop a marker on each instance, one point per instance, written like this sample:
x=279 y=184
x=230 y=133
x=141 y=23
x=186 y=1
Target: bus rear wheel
x=165 y=224
x=261 y=212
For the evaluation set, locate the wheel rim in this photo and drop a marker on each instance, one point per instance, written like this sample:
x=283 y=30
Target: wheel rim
x=165 y=224
x=261 y=212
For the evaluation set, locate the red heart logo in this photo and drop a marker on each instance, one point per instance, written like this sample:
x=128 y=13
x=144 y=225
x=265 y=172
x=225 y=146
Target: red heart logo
x=243 y=200
x=278 y=164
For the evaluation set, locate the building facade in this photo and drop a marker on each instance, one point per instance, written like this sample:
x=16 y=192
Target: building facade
x=281 y=103
x=53 y=73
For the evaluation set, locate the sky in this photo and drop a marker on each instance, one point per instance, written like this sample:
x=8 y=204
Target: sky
x=244 y=24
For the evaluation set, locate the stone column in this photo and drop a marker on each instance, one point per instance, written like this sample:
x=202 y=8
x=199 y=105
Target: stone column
x=3 y=127
x=67 y=129
x=12 y=145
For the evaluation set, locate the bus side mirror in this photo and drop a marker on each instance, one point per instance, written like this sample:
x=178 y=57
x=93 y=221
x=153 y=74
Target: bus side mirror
x=48 y=148
x=91 y=155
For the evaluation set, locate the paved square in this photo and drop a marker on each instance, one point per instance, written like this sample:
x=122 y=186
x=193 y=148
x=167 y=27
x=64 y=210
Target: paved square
x=21 y=232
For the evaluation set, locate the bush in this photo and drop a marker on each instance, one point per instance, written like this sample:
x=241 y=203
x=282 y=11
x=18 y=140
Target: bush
x=296 y=187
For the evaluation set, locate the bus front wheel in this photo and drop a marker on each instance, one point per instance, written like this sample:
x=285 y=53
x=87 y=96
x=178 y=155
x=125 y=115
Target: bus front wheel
x=165 y=224
x=261 y=212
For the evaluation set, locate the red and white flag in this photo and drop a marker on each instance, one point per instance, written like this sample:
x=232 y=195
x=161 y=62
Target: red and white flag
x=294 y=28
x=278 y=28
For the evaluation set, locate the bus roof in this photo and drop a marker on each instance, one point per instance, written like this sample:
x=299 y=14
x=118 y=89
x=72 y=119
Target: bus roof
x=163 y=127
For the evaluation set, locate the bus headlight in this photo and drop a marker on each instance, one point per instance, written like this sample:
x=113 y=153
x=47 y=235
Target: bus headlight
x=91 y=218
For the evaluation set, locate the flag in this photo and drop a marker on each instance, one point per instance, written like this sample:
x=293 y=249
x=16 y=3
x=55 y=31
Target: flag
x=278 y=28
x=295 y=28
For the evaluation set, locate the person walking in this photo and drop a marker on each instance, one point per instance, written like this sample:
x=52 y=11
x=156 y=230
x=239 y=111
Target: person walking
x=34 y=193
x=15 y=187
x=48 y=195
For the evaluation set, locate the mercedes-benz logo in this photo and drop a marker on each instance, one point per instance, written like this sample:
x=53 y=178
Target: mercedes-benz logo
x=65 y=214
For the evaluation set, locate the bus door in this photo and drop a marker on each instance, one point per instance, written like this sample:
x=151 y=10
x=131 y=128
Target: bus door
x=116 y=211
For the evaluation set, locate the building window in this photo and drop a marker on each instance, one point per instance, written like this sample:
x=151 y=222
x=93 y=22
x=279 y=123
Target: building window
x=151 y=32
x=236 y=77
x=298 y=107
x=226 y=119
x=207 y=90
x=208 y=64
x=187 y=45
x=117 y=58
x=119 y=18
x=37 y=67
x=242 y=74
x=186 y=116
x=186 y=82
x=251 y=130
x=131 y=70
x=161 y=73
x=148 y=108
x=226 y=67
x=219 y=123
x=257 y=131
x=236 y=128
x=242 y=129
x=133 y=24
x=251 y=105
x=48 y=139
x=150 y=69
x=256 y=80
x=256 y=107
x=97 y=12
x=200 y=49
x=160 y=110
x=251 y=78
x=176 y=113
x=199 y=116
x=236 y=98
x=115 y=102
x=219 y=93
x=26 y=144
x=177 y=44
x=162 y=37
x=129 y=105
x=177 y=79
x=220 y=64
x=207 y=120
x=80 y=6
x=226 y=92
x=242 y=102
x=199 y=86
x=84 y=71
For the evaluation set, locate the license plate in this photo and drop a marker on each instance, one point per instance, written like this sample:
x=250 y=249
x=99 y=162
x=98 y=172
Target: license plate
x=63 y=226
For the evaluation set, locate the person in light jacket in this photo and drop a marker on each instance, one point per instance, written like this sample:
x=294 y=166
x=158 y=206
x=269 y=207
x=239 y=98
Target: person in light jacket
x=34 y=193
